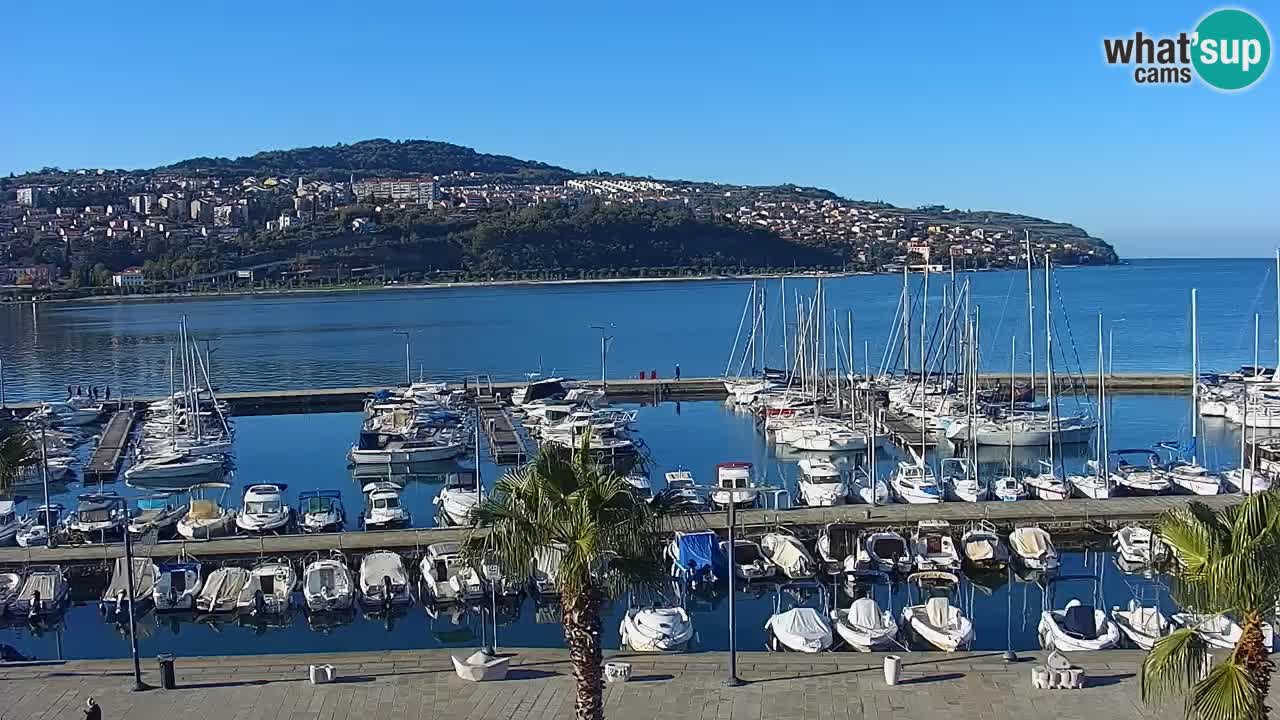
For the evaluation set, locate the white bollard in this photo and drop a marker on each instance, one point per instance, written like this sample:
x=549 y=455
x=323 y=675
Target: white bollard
x=892 y=669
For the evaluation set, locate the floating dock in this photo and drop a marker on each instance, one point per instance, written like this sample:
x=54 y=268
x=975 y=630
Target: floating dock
x=113 y=444
x=506 y=441
x=1055 y=516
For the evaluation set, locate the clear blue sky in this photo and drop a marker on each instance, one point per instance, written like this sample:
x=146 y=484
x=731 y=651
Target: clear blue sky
x=973 y=105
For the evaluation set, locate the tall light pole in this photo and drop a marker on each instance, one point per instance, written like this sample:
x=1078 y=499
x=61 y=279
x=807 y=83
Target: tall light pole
x=733 y=680
x=408 y=373
x=604 y=353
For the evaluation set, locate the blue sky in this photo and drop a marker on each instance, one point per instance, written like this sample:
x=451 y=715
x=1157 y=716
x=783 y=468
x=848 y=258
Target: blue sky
x=1003 y=105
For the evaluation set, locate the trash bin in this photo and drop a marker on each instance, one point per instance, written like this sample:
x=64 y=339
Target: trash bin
x=166 y=671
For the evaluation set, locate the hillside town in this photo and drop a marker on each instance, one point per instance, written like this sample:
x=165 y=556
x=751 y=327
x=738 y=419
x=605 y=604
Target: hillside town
x=96 y=228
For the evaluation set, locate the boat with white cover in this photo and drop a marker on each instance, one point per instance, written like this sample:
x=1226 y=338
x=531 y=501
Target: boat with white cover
x=446 y=576
x=1033 y=548
x=1137 y=545
x=983 y=547
x=1217 y=630
x=263 y=509
x=1142 y=624
x=44 y=592
x=657 y=629
x=821 y=484
x=799 y=628
x=328 y=585
x=789 y=555
x=115 y=598
x=383 y=582
x=865 y=627
x=936 y=620
x=221 y=590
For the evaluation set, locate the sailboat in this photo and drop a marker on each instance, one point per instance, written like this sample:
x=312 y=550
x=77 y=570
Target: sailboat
x=1184 y=471
x=1096 y=484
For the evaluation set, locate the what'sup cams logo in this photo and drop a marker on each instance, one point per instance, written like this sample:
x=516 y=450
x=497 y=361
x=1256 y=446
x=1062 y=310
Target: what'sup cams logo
x=1229 y=50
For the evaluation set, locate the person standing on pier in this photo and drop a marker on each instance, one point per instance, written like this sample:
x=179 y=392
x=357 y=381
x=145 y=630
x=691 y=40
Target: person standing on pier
x=677 y=372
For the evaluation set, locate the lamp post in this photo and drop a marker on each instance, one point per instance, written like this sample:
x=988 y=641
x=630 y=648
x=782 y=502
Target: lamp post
x=138 y=685
x=408 y=373
x=1009 y=655
x=733 y=680
x=604 y=353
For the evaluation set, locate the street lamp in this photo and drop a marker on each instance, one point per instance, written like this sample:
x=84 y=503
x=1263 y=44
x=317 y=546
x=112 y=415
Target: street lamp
x=408 y=374
x=604 y=353
x=733 y=680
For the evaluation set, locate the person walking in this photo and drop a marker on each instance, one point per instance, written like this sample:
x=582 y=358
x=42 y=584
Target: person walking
x=677 y=372
x=92 y=711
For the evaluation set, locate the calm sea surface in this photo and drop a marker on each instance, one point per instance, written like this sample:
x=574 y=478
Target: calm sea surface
x=348 y=339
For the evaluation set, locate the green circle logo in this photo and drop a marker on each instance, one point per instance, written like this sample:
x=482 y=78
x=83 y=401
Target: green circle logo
x=1232 y=49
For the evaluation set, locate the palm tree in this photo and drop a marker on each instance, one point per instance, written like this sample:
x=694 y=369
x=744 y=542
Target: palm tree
x=1226 y=561
x=15 y=452
x=565 y=505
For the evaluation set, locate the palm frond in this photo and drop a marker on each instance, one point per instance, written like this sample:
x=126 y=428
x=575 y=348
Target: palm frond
x=1174 y=665
x=1226 y=693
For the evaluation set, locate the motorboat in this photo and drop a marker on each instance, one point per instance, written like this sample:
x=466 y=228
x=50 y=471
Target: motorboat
x=44 y=520
x=829 y=437
x=538 y=390
x=1095 y=486
x=748 y=562
x=983 y=547
x=173 y=467
x=98 y=515
x=799 y=628
x=657 y=629
x=327 y=584
x=381 y=448
x=865 y=627
x=734 y=485
x=962 y=482
x=44 y=592
x=321 y=511
x=786 y=552
x=1137 y=545
x=691 y=556
x=869 y=490
x=1142 y=624
x=1191 y=478
x=1078 y=625
x=888 y=552
x=820 y=483
x=10 y=585
x=1008 y=488
x=269 y=588
x=8 y=522
x=447 y=577
x=1033 y=549
x=915 y=483
x=221 y=590
x=177 y=586
x=683 y=491
x=934 y=549
x=839 y=546
x=382 y=581
x=382 y=506
x=74 y=411
x=159 y=514
x=115 y=598
x=205 y=517
x=263 y=510
x=545 y=582
x=639 y=485
x=459 y=497
x=936 y=620
x=1136 y=472
x=1046 y=485
x=1245 y=480
x=1219 y=631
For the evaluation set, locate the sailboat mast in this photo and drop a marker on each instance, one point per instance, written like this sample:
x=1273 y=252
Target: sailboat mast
x=1013 y=393
x=173 y=406
x=1195 y=376
x=906 y=322
x=924 y=324
x=1277 y=310
x=1048 y=357
x=1031 y=313
x=786 y=359
x=1100 y=450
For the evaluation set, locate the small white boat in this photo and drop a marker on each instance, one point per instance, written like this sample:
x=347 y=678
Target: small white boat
x=382 y=507
x=269 y=587
x=458 y=498
x=786 y=552
x=1142 y=625
x=936 y=620
x=44 y=520
x=1137 y=545
x=1192 y=478
x=328 y=585
x=1033 y=548
x=840 y=549
x=659 y=629
x=263 y=509
x=44 y=592
x=446 y=577
x=115 y=598
x=321 y=511
x=915 y=483
x=177 y=586
x=934 y=549
x=734 y=485
x=748 y=562
x=173 y=466
x=158 y=513
x=1245 y=480
x=379 y=448
x=799 y=629
x=684 y=491
x=1219 y=631
x=1077 y=626
x=888 y=552
x=640 y=485
x=383 y=582
x=221 y=590
x=820 y=483
x=1009 y=489
x=1137 y=473
x=868 y=490
x=983 y=547
x=1046 y=485
x=205 y=517
x=865 y=626
x=1094 y=483
x=98 y=514
x=962 y=482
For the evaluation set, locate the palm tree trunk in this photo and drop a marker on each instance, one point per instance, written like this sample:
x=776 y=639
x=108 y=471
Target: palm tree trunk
x=580 y=614
x=1251 y=651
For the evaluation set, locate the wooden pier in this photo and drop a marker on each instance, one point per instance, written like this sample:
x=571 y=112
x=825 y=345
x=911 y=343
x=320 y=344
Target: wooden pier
x=105 y=461
x=506 y=441
x=1067 y=516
